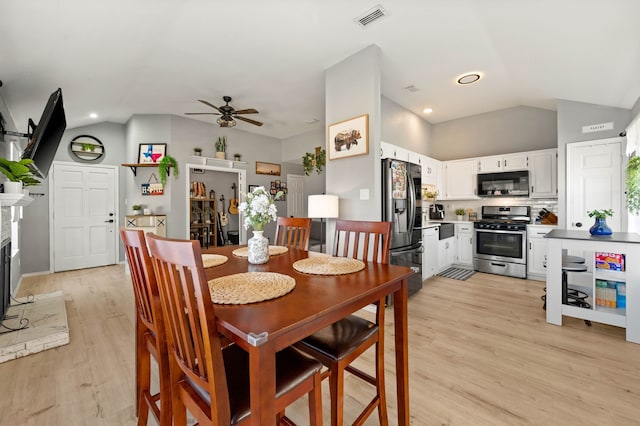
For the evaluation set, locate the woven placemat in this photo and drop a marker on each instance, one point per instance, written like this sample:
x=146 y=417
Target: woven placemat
x=328 y=265
x=211 y=260
x=273 y=251
x=250 y=287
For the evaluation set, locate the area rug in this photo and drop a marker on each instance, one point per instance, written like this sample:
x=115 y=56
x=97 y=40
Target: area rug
x=47 y=326
x=457 y=274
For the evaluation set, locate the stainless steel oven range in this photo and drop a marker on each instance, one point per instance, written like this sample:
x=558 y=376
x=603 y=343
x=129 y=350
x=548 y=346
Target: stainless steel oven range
x=501 y=241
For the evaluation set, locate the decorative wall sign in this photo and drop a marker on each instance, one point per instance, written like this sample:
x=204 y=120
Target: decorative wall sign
x=152 y=188
x=349 y=138
x=151 y=152
x=267 y=168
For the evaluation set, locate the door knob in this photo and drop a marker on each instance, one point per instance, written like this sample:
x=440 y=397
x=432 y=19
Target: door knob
x=578 y=224
x=108 y=221
x=110 y=214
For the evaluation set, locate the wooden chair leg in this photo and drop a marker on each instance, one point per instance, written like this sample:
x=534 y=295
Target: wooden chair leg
x=143 y=377
x=166 y=403
x=139 y=342
x=315 y=401
x=382 y=394
x=336 y=390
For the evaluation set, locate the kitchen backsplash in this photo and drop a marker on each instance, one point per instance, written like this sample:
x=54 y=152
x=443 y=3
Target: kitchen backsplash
x=536 y=205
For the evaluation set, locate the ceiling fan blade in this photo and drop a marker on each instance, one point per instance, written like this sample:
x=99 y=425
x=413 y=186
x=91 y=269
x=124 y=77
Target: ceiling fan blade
x=246 y=111
x=248 y=120
x=209 y=104
x=202 y=113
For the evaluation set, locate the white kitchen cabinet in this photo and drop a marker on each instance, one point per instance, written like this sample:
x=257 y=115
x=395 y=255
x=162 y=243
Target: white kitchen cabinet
x=430 y=252
x=446 y=253
x=503 y=163
x=388 y=150
x=464 y=244
x=537 y=251
x=460 y=180
x=415 y=158
x=430 y=171
x=512 y=162
x=490 y=164
x=543 y=173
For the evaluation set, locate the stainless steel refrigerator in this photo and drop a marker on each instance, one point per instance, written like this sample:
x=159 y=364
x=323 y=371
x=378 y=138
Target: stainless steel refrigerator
x=402 y=206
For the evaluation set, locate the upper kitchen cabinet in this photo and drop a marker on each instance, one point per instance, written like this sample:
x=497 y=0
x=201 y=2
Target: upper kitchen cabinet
x=512 y=162
x=503 y=163
x=490 y=164
x=543 y=173
x=388 y=150
x=431 y=171
x=460 y=180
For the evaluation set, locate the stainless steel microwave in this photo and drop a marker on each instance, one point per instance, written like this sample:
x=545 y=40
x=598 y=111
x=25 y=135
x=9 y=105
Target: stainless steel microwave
x=504 y=184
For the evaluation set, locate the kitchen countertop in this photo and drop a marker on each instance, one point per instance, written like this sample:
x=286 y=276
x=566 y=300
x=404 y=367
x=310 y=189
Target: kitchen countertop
x=617 y=237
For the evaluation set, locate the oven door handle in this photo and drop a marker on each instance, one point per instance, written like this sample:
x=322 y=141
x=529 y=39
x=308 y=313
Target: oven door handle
x=418 y=249
x=495 y=231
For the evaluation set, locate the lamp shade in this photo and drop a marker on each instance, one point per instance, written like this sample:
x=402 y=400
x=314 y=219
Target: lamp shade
x=323 y=206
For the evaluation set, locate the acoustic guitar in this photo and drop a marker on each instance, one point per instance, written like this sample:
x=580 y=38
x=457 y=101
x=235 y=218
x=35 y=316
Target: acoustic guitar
x=224 y=221
x=233 y=203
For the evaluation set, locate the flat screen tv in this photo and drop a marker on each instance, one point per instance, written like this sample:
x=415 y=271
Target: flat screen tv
x=46 y=137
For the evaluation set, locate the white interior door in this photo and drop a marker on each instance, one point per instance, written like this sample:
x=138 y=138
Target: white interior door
x=594 y=181
x=295 y=196
x=85 y=217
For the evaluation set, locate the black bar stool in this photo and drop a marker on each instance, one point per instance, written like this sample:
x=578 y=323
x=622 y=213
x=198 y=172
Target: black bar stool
x=571 y=296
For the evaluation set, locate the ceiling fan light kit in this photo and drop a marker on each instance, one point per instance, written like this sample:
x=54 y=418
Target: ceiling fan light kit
x=226 y=122
x=228 y=113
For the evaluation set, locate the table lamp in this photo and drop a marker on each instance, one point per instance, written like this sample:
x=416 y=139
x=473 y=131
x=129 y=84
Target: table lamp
x=322 y=207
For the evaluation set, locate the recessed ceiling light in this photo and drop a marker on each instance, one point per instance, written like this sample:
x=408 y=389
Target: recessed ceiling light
x=93 y=115
x=427 y=110
x=469 y=78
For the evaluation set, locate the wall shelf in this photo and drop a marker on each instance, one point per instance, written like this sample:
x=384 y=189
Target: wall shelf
x=134 y=167
x=8 y=200
x=76 y=147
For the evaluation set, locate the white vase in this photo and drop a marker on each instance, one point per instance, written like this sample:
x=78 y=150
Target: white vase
x=460 y=216
x=12 y=187
x=258 y=248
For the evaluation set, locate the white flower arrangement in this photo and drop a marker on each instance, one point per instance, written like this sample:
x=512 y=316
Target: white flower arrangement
x=259 y=208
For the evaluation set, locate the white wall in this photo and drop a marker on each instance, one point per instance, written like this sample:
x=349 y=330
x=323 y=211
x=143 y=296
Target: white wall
x=294 y=148
x=403 y=128
x=572 y=116
x=499 y=132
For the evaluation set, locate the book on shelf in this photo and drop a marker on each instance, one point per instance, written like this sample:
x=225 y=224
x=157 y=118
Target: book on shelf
x=610 y=294
x=621 y=295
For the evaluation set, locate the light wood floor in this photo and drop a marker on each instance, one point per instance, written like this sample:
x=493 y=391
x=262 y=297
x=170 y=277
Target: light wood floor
x=481 y=353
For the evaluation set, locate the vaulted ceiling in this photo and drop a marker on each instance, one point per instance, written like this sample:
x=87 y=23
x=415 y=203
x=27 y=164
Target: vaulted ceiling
x=121 y=57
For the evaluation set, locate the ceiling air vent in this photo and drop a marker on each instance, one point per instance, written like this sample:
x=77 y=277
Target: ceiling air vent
x=370 y=16
x=411 y=88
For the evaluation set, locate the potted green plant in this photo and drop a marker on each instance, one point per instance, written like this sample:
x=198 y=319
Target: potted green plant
x=600 y=226
x=236 y=157
x=88 y=147
x=164 y=165
x=18 y=173
x=632 y=180
x=137 y=209
x=460 y=213
x=221 y=146
x=197 y=152
x=315 y=160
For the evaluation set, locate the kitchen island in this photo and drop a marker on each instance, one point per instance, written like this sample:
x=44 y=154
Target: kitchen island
x=627 y=244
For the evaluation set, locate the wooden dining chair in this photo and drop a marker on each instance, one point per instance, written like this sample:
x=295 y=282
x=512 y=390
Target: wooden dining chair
x=338 y=345
x=293 y=232
x=209 y=379
x=151 y=338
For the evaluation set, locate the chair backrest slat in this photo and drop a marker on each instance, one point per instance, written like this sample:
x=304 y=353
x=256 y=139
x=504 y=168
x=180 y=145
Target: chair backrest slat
x=376 y=238
x=143 y=278
x=293 y=232
x=186 y=303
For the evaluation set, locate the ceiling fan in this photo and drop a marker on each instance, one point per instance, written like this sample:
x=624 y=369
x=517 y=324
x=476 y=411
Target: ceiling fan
x=228 y=113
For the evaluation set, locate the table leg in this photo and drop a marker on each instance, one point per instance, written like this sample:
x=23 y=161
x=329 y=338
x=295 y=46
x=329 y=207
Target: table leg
x=402 y=352
x=262 y=367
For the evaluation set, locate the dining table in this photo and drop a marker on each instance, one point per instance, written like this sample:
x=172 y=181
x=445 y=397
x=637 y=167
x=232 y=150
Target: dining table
x=316 y=301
